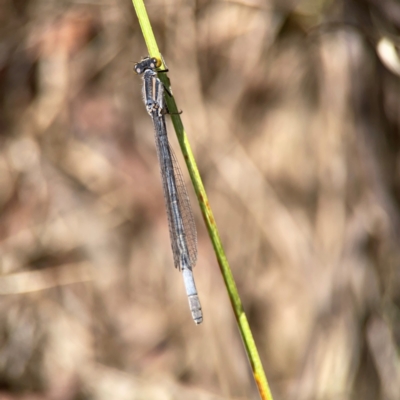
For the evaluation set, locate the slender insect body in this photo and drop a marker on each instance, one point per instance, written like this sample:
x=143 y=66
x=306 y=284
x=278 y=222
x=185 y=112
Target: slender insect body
x=181 y=224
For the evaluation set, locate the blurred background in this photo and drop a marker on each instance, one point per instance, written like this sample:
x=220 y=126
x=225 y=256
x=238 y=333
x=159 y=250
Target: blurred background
x=292 y=110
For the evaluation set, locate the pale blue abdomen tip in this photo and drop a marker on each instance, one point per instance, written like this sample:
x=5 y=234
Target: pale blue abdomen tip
x=195 y=308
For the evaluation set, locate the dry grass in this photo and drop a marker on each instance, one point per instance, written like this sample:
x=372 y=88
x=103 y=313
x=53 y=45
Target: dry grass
x=294 y=122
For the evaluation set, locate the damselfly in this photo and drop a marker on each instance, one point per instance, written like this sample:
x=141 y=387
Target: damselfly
x=182 y=228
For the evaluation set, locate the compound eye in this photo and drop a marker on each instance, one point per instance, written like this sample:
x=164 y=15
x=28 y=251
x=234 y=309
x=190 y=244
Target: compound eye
x=138 y=70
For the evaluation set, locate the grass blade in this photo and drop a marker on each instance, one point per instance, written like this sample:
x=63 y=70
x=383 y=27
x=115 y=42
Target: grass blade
x=244 y=328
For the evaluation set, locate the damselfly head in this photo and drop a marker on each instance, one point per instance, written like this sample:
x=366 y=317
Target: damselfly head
x=146 y=63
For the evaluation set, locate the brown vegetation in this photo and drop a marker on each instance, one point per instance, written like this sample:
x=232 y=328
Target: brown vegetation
x=292 y=110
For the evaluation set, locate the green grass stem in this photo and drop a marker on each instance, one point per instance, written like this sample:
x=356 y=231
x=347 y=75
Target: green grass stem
x=244 y=328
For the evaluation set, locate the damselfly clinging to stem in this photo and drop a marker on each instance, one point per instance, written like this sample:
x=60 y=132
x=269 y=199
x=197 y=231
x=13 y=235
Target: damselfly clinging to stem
x=182 y=228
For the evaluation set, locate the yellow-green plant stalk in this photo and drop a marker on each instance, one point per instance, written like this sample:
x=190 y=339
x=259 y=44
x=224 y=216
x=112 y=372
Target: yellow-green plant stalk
x=245 y=331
